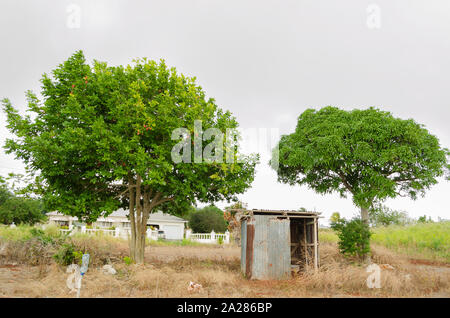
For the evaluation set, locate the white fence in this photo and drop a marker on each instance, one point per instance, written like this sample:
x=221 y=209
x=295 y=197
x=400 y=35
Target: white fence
x=117 y=232
x=210 y=238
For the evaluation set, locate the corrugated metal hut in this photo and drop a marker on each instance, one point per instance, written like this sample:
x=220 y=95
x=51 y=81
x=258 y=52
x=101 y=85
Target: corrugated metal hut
x=273 y=242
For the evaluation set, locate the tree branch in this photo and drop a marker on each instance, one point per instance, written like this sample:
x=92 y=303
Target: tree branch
x=344 y=181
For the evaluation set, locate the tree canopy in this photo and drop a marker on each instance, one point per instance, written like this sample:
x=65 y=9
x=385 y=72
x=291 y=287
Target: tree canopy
x=366 y=153
x=102 y=138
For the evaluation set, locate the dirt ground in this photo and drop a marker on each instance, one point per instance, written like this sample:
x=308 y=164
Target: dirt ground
x=170 y=269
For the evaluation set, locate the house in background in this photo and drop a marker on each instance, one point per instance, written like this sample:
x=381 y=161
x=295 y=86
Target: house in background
x=168 y=226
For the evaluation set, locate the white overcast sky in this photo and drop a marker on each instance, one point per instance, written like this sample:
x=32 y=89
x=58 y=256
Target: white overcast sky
x=265 y=61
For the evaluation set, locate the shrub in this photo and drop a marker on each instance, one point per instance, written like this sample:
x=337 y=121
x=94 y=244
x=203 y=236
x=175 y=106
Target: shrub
x=207 y=219
x=42 y=236
x=128 y=260
x=354 y=237
x=66 y=254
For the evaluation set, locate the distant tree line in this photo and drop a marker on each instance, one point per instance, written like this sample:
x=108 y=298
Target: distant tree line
x=18 y=209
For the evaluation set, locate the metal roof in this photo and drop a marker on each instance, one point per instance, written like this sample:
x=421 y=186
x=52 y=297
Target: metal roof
x=284 y=212
x=155 y=216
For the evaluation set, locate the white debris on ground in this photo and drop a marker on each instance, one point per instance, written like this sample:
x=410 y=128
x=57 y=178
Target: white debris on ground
x=3 y=250
x=73 y=280
x=108 y=269
x=194 y=287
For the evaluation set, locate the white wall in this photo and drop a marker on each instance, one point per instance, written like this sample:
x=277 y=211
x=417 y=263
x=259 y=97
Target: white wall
x=173 y=231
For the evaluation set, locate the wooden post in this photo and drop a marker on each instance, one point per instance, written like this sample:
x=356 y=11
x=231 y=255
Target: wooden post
x=305 y=243
x=315 y=246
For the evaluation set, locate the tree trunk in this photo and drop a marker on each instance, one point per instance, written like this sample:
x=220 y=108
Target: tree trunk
x=141 y=203
x=365 y=215
x=139 y=246
x=131 y=207
x=365 y=219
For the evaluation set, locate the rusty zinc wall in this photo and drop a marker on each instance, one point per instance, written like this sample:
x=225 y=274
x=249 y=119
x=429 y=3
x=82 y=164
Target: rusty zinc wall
x=265 y=248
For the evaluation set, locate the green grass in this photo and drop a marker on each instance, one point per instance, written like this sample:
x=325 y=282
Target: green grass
x=23 y=232
x=20 y=233
x=184 y=242
x=428 y=240
x=422 y=240
x=328 y=236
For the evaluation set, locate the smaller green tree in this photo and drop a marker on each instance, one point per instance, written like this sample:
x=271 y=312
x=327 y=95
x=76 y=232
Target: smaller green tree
x=207 y=219
x=381 y=215
x=423 y=219
x=335 y=217
x=354 y=237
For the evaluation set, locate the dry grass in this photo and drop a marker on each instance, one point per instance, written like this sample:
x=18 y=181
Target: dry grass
x=170 y=269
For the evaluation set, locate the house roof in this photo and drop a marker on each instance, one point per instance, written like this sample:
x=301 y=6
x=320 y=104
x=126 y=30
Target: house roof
x=155 y=216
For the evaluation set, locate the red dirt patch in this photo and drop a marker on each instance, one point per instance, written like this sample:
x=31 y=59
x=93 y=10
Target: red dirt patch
x=427 y=262
x=10 y=266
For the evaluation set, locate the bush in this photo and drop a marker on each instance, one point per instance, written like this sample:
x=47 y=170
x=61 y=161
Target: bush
x=207 y=219
x=42 y=236
x=354 y=237
x=65 y=254
x=128 y=260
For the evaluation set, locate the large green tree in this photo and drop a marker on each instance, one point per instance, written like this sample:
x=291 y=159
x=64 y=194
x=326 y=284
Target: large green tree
x=366 y=153
x=102 y=138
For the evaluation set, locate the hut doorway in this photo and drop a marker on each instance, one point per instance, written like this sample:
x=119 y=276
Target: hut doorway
x=304 y=243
